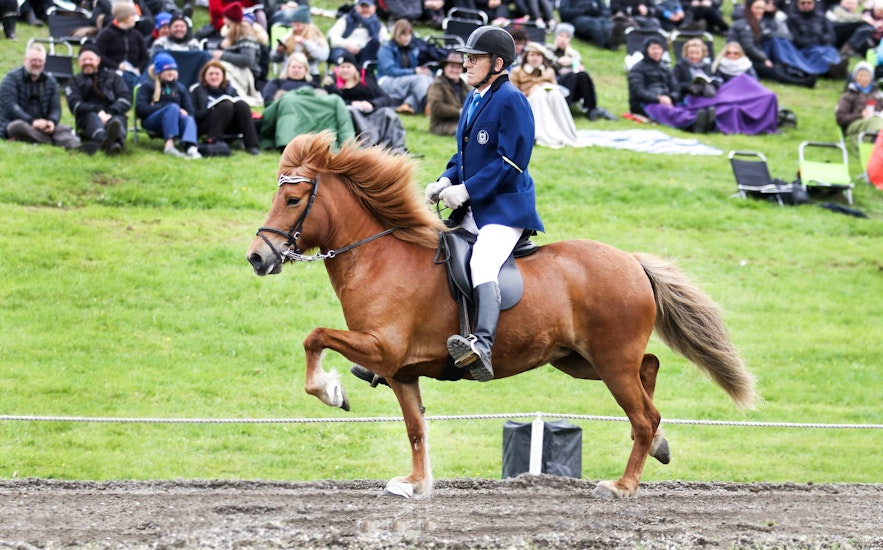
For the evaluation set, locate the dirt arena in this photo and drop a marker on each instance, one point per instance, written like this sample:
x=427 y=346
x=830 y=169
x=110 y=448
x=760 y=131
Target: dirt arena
x=526 y=512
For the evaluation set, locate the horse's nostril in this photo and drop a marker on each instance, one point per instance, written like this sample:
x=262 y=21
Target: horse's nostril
x=255 y=259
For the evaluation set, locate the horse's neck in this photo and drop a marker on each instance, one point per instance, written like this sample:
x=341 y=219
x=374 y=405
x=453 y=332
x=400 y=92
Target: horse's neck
x=387 y=265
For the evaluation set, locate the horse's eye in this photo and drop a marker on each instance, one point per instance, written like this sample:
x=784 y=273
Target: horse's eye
x=292 y=201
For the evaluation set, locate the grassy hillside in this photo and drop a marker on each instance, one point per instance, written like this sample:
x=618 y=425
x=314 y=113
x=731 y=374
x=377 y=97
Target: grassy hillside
x=125 y=293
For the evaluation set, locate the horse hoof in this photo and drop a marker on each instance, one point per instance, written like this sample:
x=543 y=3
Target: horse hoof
x=337 y=395
x=609 y=490
x=661 y=452
x=398 y=489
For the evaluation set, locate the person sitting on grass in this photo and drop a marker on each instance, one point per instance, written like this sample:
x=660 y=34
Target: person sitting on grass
x=860 y=106
x=295 y=75
x=446 y=96
x=554 y=126
x=306 y=38
x=374 y=120
x=219 y=110
x=654 y=92
x=164 y=107
x=30 y=105
x=99 y=99
x=572 y=75
x=399 y=72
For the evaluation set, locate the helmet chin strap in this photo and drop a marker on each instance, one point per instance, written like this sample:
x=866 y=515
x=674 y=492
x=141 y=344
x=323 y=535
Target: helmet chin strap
x=491 y=72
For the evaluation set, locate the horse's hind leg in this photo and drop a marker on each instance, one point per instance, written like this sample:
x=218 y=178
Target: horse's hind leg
x=624 y=380
x=649 y=368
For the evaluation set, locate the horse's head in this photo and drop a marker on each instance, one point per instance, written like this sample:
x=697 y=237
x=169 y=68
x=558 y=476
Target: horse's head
x=281 y=237
x=337 y=201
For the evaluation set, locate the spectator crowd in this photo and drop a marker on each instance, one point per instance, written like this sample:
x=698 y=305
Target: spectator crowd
x=257 y=74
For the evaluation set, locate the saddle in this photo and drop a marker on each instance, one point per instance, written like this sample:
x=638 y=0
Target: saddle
x=455 y=251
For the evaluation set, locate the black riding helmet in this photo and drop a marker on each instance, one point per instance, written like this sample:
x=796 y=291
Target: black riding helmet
x=495 y=41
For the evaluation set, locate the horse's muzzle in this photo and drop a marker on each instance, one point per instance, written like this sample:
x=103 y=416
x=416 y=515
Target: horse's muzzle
x=269 y=265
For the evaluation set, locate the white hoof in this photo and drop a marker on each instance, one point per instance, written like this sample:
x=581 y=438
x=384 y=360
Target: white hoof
x=398 y=489
x=608 y=489
x=332 y=393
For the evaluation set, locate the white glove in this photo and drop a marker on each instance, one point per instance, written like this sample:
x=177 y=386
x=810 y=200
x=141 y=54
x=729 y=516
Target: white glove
x=434 y=188
x=454 y=196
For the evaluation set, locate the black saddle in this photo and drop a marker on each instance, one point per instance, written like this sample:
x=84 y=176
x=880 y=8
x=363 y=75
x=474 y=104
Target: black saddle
x=455 y=251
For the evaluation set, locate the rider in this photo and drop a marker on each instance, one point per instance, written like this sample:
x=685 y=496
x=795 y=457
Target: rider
x=487 y=185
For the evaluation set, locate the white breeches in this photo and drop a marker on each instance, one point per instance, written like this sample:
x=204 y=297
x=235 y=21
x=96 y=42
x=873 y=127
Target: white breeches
x=492 y=247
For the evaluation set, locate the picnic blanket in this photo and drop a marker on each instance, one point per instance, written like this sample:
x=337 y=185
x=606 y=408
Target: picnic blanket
x=645 y=141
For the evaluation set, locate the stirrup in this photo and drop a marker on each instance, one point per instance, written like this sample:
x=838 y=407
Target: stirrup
x=367 y=375
x=465 y=355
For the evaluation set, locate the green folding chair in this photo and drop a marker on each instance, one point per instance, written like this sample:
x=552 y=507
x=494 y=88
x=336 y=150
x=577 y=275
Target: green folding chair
x=824 y=168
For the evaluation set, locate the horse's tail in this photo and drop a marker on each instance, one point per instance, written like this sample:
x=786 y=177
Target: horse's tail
x=690 y=323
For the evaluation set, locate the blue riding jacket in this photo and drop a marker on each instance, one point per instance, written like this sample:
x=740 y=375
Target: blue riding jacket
x=493 y=152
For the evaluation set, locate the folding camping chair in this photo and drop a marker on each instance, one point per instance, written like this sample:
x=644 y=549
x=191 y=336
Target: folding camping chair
x=69 y=25
x=753 y=177
x=679 y=38
x=824 y=171
x=190 y=62
x=462 y=21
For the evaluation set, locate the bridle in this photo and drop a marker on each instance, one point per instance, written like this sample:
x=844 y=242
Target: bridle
x=291 y=250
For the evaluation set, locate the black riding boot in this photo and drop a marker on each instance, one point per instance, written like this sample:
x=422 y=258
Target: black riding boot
x=368 y=376
x=474 y=351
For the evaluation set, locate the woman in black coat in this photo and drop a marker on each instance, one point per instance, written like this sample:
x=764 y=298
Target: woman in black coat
x=219 y=110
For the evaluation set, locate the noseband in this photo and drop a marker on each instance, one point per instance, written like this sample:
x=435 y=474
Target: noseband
x=291 y=249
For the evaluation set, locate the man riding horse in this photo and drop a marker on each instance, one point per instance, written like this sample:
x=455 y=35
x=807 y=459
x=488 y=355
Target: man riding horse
x=488 y=186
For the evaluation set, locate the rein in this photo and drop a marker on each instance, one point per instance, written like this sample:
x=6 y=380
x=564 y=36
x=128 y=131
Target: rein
x=292 y=251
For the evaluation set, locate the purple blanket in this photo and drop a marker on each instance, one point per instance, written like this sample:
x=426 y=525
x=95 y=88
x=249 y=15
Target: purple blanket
x=742 y=106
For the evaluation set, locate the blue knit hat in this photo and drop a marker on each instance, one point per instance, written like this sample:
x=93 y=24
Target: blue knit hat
x=163 y=62
x=162 y=18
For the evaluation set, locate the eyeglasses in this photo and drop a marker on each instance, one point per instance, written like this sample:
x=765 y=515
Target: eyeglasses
x=732 y=52
x=473 y=57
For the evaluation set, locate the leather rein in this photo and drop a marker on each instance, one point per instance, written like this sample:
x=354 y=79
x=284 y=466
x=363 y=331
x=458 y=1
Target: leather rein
x=291 y=250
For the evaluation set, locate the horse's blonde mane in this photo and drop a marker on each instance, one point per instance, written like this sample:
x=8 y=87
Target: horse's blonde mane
x=379 y=179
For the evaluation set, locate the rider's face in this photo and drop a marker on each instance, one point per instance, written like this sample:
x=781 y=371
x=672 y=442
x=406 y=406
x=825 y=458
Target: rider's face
x=477 y=67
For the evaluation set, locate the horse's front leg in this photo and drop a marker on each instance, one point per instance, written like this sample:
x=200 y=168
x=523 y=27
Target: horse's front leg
x=419 y=482
x=358 y=347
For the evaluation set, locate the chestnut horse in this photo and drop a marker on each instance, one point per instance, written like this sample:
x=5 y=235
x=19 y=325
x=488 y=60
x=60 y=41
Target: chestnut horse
x=588 y=309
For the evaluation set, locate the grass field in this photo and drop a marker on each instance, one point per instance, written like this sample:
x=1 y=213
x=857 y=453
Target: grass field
x=125 y=293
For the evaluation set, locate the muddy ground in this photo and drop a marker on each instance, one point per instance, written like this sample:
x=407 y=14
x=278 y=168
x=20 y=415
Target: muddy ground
x=525 y=512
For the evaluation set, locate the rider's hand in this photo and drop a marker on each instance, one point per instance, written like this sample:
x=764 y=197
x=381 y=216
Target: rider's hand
x=454 y=196
x=434 y=188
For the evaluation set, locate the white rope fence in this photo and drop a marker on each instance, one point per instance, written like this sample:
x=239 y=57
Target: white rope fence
x=747 y=424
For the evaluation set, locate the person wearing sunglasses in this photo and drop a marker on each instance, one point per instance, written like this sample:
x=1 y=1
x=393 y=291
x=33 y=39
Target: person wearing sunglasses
x=732 y=62
x=488 y=185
